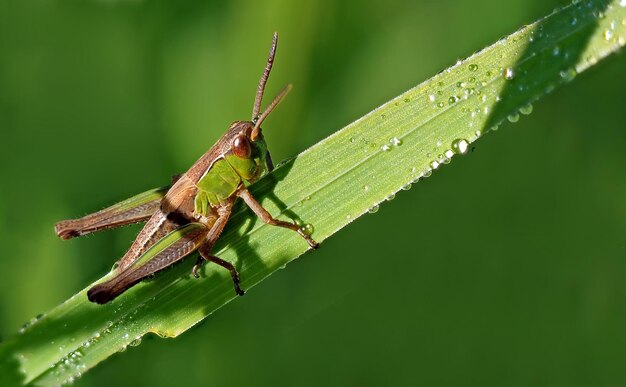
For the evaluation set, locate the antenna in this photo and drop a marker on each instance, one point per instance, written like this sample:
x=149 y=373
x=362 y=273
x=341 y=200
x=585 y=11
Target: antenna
x=263 y=81
x=268 y=110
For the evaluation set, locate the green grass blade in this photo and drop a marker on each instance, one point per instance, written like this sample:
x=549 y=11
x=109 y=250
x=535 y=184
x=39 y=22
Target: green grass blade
x=329 y=185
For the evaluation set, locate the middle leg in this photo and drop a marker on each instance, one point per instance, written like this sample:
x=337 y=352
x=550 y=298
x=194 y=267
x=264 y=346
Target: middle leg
x=206 y=255
x=205 y=250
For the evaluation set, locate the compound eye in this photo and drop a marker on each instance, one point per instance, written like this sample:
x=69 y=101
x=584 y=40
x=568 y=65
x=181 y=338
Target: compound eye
x=241 y=147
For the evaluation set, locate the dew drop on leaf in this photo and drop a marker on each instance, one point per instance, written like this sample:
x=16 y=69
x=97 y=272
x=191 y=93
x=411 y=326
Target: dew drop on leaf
x=307 y=229
x=513 y=117
x=526 y=109
x=568 y=74
x=509 y=73
x=460 y=146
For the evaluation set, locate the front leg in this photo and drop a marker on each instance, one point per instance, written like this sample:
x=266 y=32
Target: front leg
x=268 y=219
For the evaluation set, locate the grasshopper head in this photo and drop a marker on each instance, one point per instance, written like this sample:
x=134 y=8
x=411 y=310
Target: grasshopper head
x=248 y=151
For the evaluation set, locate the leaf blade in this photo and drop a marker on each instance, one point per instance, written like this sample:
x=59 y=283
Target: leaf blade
x=330 y=185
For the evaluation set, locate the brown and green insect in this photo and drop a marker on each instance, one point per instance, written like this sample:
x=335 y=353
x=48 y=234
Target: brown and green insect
x=191 y=214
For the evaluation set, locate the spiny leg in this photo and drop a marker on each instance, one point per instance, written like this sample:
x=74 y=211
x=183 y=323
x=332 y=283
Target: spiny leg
x=205 y=255
x=267 y=218
x=169 y=249
x=223 y=213
x=136 y=209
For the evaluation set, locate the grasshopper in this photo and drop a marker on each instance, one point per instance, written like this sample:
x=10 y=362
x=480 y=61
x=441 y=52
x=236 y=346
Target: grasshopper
x=191 y=214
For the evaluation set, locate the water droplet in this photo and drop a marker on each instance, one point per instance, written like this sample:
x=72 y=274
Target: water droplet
x=135 y=342
x=513 y=117
x=431 y=98
x=385 y=148
x=460 y=84
x=374 y=209
x=526 y=109
x=406 y=187
x=439 y=143
x=509 y=73
x=460 y=145
x=556 y=50
x=395 y=141
x=407 y=100
x=366 y=188
x=24 y=327
x=441 y=104
x=449 y=153
x=348 y=216
x=434 y=164
x=568 y=74
x=452 y=100
x=383 y=116
x=608 y=34
x=352 y=140
x=472 y=67
x=307 y=229
x=126 y=336
x=390 y=197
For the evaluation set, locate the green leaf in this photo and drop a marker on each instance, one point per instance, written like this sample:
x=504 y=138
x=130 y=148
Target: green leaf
x=329 y=185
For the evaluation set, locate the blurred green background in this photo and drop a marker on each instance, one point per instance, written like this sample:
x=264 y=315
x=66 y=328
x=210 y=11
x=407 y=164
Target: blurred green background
x=505 y=267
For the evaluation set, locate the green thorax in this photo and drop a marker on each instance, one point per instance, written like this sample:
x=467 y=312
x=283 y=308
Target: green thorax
x=226 y=175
